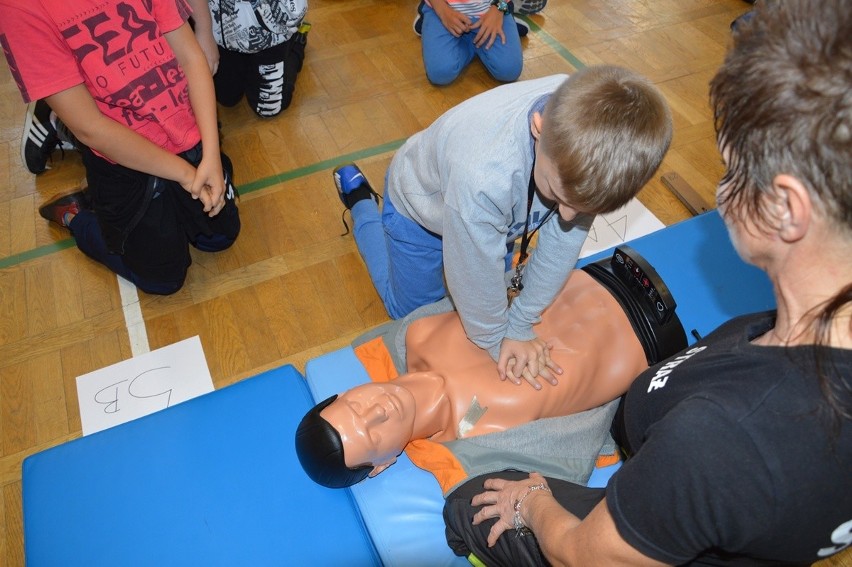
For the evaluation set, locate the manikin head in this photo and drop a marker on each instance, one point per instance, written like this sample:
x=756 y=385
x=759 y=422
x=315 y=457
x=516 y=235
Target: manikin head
x=373 y=421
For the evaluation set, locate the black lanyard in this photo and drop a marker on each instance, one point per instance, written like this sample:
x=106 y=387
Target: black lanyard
x=516 y=282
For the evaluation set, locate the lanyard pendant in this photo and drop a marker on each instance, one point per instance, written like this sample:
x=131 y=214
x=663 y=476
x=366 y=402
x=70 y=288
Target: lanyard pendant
x=515 y=284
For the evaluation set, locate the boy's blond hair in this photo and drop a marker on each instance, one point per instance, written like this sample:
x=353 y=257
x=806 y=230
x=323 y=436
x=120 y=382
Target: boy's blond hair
x=606 y=129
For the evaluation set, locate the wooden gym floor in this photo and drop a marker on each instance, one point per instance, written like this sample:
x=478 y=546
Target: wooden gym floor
x=292 y=287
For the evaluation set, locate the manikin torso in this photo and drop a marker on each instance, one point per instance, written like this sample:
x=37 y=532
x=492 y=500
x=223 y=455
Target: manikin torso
x=592 y=341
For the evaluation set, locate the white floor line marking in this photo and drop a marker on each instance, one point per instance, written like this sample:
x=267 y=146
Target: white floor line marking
x=133 y=320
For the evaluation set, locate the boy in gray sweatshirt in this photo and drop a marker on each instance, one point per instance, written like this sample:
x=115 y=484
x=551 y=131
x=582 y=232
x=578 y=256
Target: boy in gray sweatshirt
x=540 y=156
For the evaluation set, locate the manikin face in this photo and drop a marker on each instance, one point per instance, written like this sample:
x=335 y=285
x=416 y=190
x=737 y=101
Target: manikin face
x=375 y=422
x=547 y=177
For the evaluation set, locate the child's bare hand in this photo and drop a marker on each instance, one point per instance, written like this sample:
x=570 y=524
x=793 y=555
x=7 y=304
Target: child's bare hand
x=209 y=182
x=490 y=27
x=527 y=360
x=210 y=50
x=187 y=180
x=455 y=22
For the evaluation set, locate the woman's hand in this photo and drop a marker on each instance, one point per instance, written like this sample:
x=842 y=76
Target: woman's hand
x=500 y=499
x=527 y=360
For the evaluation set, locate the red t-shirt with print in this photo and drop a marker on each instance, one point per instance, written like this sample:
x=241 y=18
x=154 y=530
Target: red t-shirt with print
x=116 y=48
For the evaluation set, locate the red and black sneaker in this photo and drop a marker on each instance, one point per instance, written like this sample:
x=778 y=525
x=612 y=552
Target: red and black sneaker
x=73 y=203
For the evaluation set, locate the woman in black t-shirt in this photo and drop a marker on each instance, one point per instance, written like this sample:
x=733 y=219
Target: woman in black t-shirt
x=741 y=446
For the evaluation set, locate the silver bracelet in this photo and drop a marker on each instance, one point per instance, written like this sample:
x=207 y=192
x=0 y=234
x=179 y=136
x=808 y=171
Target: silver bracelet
x=517 y=520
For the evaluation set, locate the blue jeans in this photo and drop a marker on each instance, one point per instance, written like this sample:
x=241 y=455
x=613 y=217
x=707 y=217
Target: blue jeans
x=445 y=56
x=404 y=260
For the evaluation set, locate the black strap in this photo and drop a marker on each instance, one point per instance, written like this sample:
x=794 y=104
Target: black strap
x=516 y=284
x=525 y=239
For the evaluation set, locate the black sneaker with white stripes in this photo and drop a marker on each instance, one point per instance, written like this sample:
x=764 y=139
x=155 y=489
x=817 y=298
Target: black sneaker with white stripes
x=39 y=138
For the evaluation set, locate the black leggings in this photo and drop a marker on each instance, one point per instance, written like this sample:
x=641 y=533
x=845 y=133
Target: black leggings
x=511 y=549
x=267 y=78
x=142 y=226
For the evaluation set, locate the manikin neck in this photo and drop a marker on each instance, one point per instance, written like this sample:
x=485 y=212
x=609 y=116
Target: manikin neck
x=432 y=404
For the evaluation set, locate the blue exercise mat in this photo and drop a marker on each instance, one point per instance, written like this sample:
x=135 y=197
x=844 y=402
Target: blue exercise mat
x=212 y=481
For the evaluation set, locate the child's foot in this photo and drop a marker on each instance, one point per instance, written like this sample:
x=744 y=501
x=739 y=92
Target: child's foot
x=742 y=19
x=352 y=186
x=523 y=27
x=418 y=20
x=39 y=137
x=62 y=209
x=304 y=29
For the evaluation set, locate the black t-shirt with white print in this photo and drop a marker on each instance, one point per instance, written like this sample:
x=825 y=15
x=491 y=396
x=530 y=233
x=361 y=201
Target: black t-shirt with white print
x=733 y=460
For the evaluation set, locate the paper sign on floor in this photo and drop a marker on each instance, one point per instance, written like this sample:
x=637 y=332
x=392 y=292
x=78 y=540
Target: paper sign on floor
x=142 y=385
x=611 y=229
